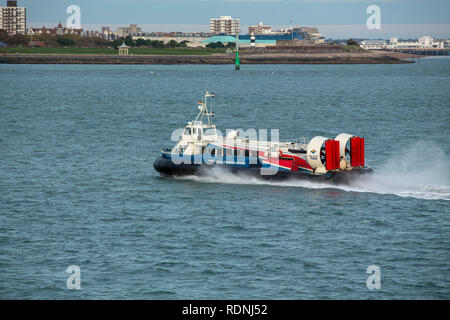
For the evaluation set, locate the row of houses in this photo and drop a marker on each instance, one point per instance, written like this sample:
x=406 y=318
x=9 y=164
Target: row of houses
x=57 y=31
x=108 y=34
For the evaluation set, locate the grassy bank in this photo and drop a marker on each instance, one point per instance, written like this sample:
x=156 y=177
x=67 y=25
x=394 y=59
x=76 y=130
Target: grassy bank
x=170 y=59
x=110 y=51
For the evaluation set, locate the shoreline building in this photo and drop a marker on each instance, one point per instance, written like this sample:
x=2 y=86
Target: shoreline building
x=107 y=33
x=373 y=44
x=132 y=30
x=224 y=25
x=259 y=40
x=310 y=33
x=263 y=36
x=424 y=42
x=13 y=19
x=260 y=28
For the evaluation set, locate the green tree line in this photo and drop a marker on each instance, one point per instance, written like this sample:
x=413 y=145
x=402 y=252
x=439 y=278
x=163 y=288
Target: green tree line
x=77 y=41
x=220 y=45
x=69 y=40
x=147 y=43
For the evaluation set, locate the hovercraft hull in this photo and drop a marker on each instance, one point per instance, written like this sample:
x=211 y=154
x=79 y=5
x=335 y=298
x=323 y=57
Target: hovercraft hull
x=167 y=168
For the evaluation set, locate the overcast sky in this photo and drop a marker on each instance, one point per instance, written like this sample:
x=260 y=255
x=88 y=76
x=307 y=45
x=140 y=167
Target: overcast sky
x=335 y=18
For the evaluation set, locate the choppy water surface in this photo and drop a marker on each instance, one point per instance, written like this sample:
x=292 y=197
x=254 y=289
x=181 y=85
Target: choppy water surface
x=77 y=184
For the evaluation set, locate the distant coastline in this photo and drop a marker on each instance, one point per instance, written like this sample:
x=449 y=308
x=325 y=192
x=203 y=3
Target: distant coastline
x=262 y=58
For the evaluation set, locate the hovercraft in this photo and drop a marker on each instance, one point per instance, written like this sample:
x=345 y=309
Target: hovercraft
x=201 y=147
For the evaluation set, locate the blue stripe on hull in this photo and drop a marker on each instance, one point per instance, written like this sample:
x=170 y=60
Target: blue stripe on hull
x=245 y=162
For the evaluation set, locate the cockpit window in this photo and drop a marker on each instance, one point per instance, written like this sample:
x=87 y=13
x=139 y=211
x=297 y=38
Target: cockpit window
x=188 y=131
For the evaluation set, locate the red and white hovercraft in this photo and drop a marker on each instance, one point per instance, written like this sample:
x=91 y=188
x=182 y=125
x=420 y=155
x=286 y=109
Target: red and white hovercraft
x=201 y=147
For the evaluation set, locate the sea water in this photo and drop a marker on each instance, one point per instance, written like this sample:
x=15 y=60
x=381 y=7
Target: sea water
x=78 y=188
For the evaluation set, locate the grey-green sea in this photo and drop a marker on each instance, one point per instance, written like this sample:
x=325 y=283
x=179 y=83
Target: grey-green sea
x=78 y=187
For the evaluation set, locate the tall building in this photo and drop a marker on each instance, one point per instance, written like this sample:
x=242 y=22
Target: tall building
x=13 y=19
x=224 y=25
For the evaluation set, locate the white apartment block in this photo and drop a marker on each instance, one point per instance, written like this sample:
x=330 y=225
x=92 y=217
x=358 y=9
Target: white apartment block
x=224 y=25
x=13 y=19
